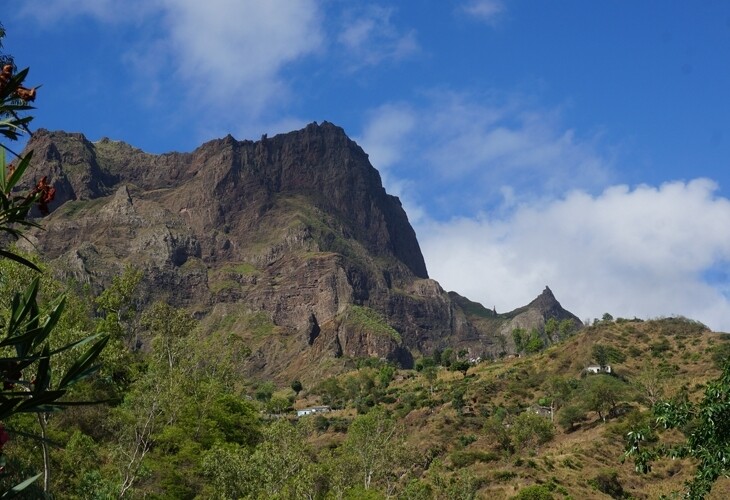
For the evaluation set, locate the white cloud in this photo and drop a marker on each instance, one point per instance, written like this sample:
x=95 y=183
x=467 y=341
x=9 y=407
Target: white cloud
x=384 y=134
x=231 y=52
x=219 y=54
x=632 y=252
x=383 y=139
x=479 y=151
x=484 y=10
x=370 y=37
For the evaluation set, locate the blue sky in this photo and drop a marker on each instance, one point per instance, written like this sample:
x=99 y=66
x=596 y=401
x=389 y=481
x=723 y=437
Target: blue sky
x=580 y=145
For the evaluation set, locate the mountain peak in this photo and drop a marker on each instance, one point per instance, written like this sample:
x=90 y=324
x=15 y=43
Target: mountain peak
x=546 y=301
x=295 y=231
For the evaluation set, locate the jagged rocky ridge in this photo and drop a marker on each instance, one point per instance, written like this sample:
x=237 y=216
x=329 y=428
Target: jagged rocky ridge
x=290 y=241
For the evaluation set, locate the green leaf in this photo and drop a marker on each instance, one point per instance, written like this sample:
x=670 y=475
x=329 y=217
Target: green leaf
x=12 y=492
x=51 y=321
x=45 y=398
x=26 y=337
x=43 y=375
x=77 y=343
x=7 y=407
x=19 y=170
x=17 y=258
x=13 y=84
x=82 y=368
x=60 y=405
x=25 y=305
x=34 y=437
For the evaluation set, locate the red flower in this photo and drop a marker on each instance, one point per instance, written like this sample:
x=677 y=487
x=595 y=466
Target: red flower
x=47 y=193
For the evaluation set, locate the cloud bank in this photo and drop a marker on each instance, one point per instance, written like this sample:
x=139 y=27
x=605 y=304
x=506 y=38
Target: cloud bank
x=642 y=252
x=544 y=213
x=370 y=37
x=465 y=153
x=484 y=10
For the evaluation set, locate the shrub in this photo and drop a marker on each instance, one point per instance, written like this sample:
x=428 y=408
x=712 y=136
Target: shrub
x=504 y=475
x=534 y=492
x=570 y=415
x=720 y=354
x=634 y=351
x=607 y=482
x=461 y=459
x=466 y=439
x=530 y=430
x=659 y=348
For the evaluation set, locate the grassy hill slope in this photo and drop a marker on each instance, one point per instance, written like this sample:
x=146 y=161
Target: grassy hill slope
x=456 y=422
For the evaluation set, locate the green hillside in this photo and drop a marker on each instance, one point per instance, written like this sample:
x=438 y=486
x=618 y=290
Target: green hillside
x=467 y=423
x=182 y=420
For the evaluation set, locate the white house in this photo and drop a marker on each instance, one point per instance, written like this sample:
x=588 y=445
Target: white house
x=598 y=369
x=313 y=409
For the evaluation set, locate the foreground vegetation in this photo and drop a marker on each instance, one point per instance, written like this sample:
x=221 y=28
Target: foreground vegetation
x=183 y=423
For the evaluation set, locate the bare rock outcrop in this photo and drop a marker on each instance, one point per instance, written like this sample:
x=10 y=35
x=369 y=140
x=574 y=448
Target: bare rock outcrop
x=291 y=241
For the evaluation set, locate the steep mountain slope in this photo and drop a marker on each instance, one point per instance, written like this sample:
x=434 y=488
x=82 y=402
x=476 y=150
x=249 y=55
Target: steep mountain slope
x=290 y=242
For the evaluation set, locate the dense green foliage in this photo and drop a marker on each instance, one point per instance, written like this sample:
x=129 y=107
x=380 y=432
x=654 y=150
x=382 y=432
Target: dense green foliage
x=40 y=364
x=706 y=426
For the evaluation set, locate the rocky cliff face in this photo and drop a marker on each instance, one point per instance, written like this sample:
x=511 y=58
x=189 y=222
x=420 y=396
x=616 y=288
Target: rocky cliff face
x=290 y=241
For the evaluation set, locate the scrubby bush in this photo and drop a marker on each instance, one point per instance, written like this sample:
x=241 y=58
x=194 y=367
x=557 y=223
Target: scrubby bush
x=607 y=482
x=461 y=459
x=534 y=492
x=530 y=430
x=570 y=415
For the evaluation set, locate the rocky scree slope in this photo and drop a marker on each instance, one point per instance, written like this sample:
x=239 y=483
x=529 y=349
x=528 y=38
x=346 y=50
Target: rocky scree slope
x=290 y=242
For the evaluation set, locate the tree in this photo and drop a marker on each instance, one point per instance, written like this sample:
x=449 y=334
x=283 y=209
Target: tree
x=460 y=366
x=373 y=440
x=560 y=390
x=297 y=387
x=570 y=415
x=706 y=426
x=602 y=394
x=447 y=357
x=457 y=398
x=28 y=386
x=530 y=430
x=599 y=354
x=265 y=391
x=498 y=433
x=566 y=327
x=280 y=466
x=534 y=343
x=519 y=335
x=176 y=409
x=386 y=374
x=534 y=492
x=604 y=354
x=552 y=327
x=118 y=306
x=650 y=382
x=431 y=374
x=278 y=405
x=224 y=466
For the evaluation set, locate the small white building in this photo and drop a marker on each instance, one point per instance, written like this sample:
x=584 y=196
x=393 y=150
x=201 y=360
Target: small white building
x=598 y=369
x=313 y=409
